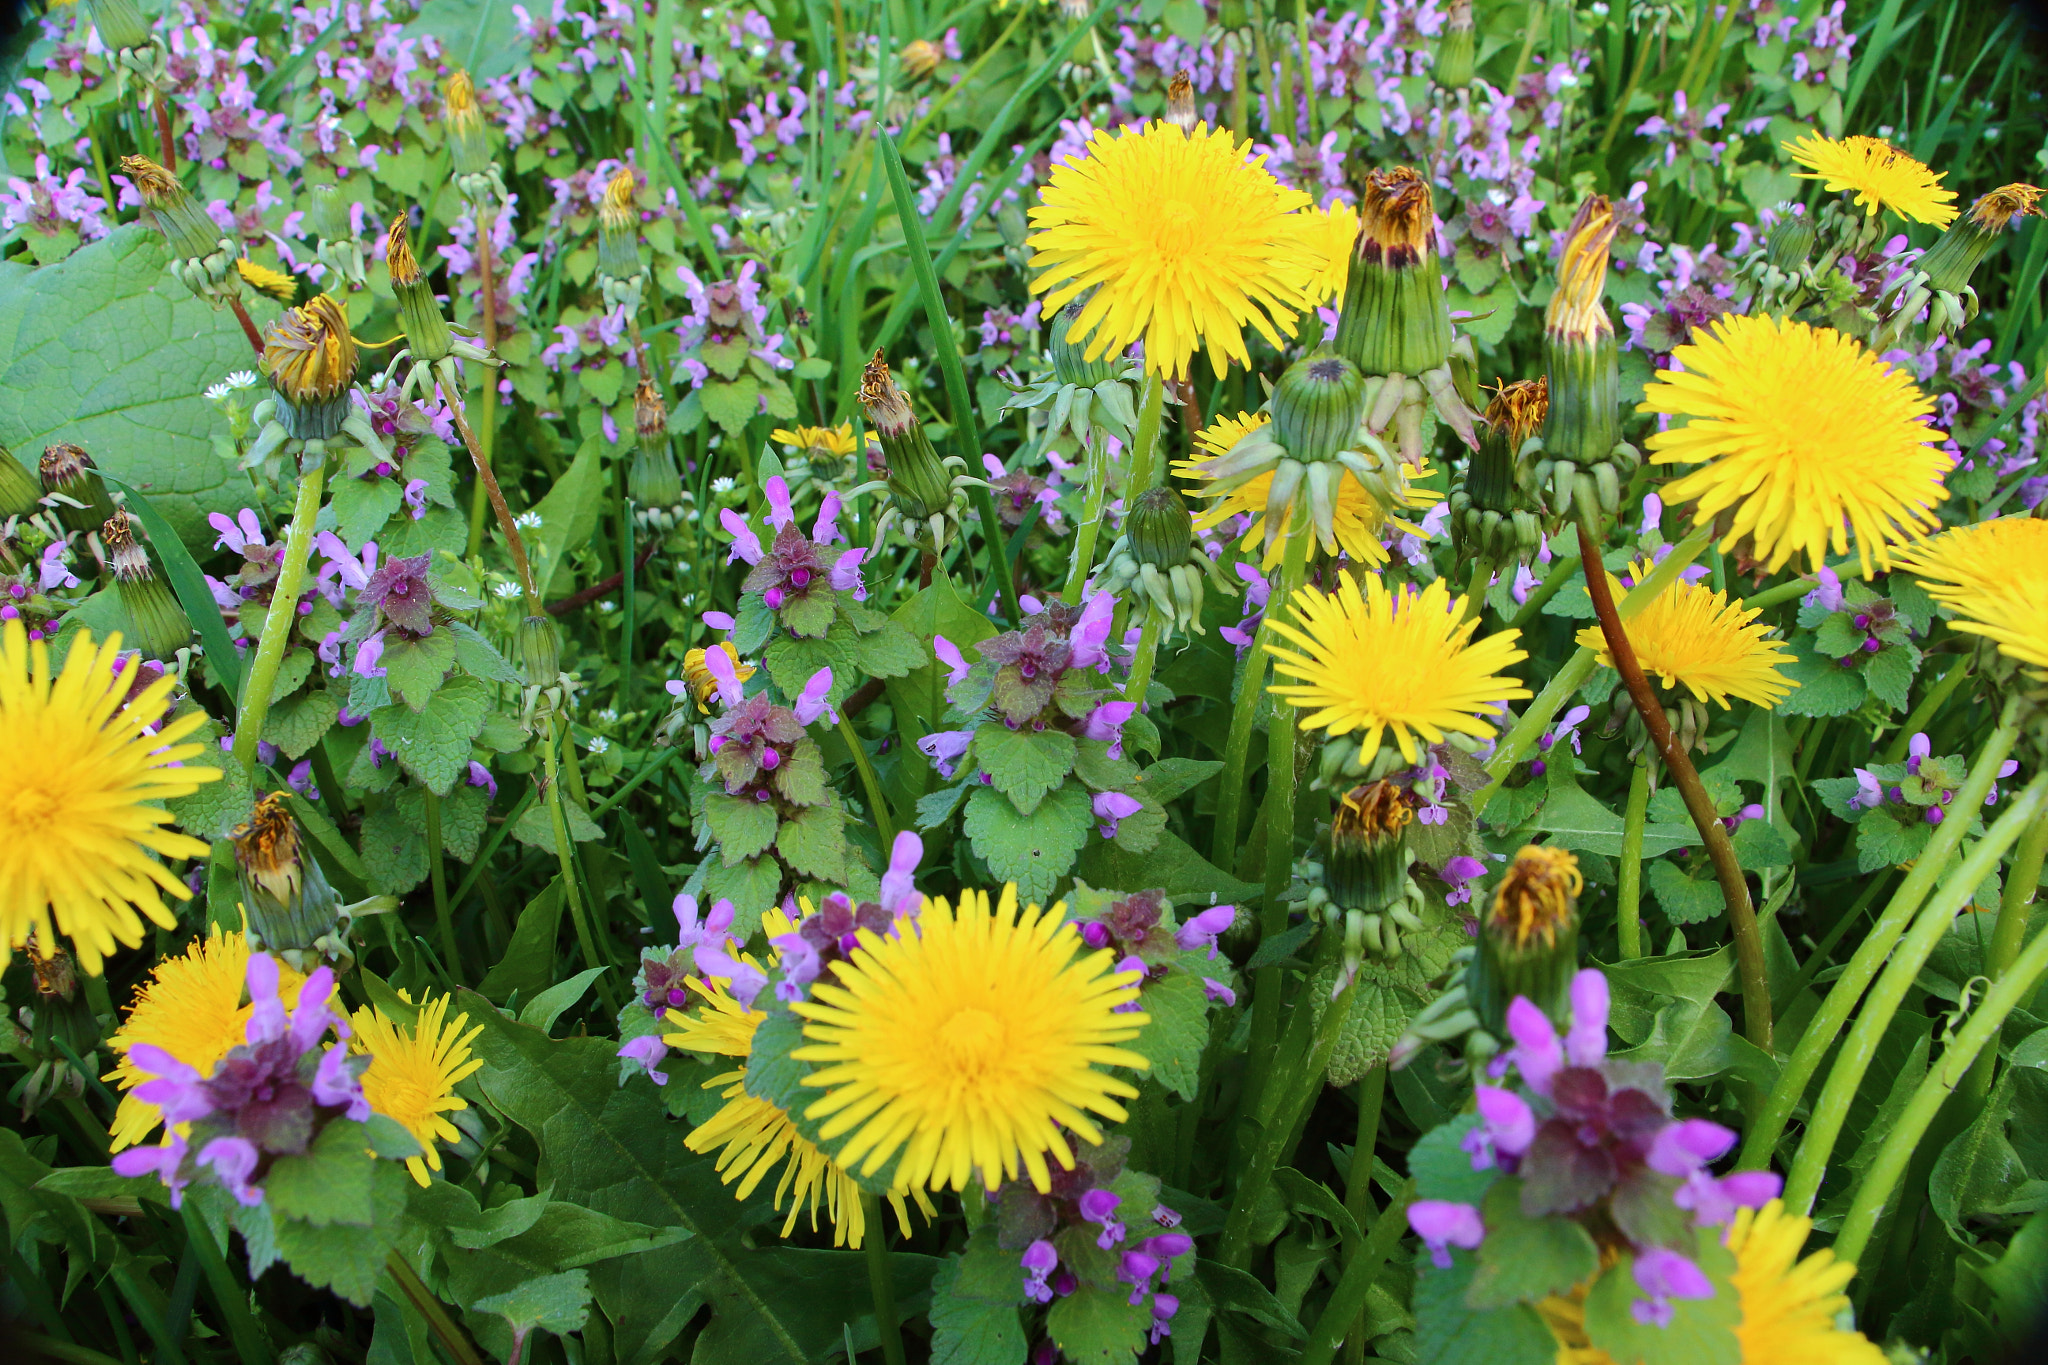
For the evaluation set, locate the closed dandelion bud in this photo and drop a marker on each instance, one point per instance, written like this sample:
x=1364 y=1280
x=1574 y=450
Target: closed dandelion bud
x=468 y=144
x=419 y=312
x=1316 y=406
x=1368 y=864
x=1456 y=49
x=311 y=358
x=1161 y=530
x=190 y=233
x=618 y=229
x=1515 y=414
x=540 y=649
x=19 y=493
x=69 y=471
x=120 y=24
x=921 y=57
x=1180 y=102
x=1070 y=362
x=1584 y=421
x=1395 y=318
x=278 y=284
x=918 y=483
x=287 y=899
x=653 y=480
x=1790 y=242
x=330 y=215
x=1529 y=937
x=1951 y=261
x=161 y=626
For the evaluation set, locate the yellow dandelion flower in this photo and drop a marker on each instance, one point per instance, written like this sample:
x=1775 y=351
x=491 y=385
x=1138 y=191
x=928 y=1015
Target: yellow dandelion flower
x=279 y=284
x=702 y=684
x=1358 y=520
x=413 y=1073
x=1537 y=896
x=1878 y=174
x=1333 y=233
x=1789 y=1306
x=1804 y=436
x=192 y=1007
x=968 y=1045
x=1383 y=663
x=81 y=830
x=835 y=442
x=1184 y=239
x=752 y=1136
x=1994 y=576
x=1695 y=638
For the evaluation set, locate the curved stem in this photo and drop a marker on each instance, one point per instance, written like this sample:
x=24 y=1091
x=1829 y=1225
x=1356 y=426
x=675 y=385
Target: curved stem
x=881 y=1284
x=283 y=615
x=1090 y=527
x=1899 y=1144
x=1476 y=589
x=2022 y=885
x=167 y=145
x=1237 y=749
x=1742 y=922
x=452 y=393
x=885 y=823
x=248 y=326
x=1831 y=1110
x=564 y=850
x=1147 y=655
x=1629 y=893
x=1145 y=449
x=1819 y=1035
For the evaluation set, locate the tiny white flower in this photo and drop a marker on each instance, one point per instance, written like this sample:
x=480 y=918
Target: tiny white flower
x=527 y=521
x=607 y=716
x=607 y=606
x=721 y=484
x=507 y=591
x=598 y=744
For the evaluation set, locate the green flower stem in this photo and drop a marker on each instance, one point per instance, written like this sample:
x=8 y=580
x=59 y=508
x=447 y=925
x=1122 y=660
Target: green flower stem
x=1147 y=655
x=1742 y=921
x=1944 y=687
x=1347 y=1301
x=283 y=615
x=1521 y=740
x=229 y=1298
x=1372 y=1094
x=1831 y=1110
x=885 y=823
x=564 y=849
x=1237 y=749
x=487 y=433
x=442 y=914
x=1899 y=1144
x=881 y=1284
x=481 y=460
x=1629 y=892
x=2022 y=885
x=1145 y=448
x=1475 y=590
x=445 y=1329
x=1559 y=574
x=1820 y=1033
x=1090 y=528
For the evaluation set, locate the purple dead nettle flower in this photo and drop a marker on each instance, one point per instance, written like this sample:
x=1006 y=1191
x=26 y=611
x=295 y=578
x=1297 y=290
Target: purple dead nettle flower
x=745 y=544
x=1202 y=931
x=1827 y=592
x=1153 y=1256
x=1111 y=808
x=949 y=654
x=750 y=739
x=1459 y=874
x=1040 y=1259
x=647 y=1053
x=400 y=596
x=1869 y=791
x=480 y=776
x=1442 y=1225
x=833 y=933
x=1567 y=729
x=810 y=703
x=51 y=573
x=1106 y=723
x=1099 y=1206
x=945 y=749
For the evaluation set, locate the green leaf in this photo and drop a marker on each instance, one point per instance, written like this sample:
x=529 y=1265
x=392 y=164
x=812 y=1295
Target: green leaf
x=1235 y=1290
x=107 y=351
x=801 y=777
x=394 y=850
x=918 y=697
x=343 y=1257
x=568 y=515
x=528 y=965
x=433 y=744
x=1099 y=1326
x=218 y=806
x=557 y=1303
x=479 y=658
x=753 y=625
x=891 y=652
x=1169 y=865
x=1034 y=850
x=329 y=1183
x=545 y=1008
x=1443 y=1170
x=731 y=405
x=1173 y=777
x=744 y=828
x=974 y=1306
x=1173 y=1041
x=536 y=828
x=1524 y=1259
x=189 y=583
x=750 y=886
x=1883 y=841
x=1448 y=1332
x=813 y=843
x=1689 y=1038
x=1701 y=1331
x=299 y=722
x=363 y=505
x=1367 y=1036
x=1889 y=674
x=1577 y=821
x=413 y=669
x=1825 y=687
x=1023 y=765
x=1685 y=899
x=810 y=615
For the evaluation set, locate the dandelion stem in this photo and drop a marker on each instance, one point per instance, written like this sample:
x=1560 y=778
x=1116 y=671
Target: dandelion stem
x=881 y=1283
x=1237 y=749
x=1629 y=891
x=442 y=915
x=1742 y=921
x=1090 y=528
x=1148 y=653
x=2022 y=884
x=248 y=325
x=488 y=425
x=167 y=143
x=452 y=392
x=885 y=824
x=1475 y=590
x=1820 y=1033
x=283 y=615
x=1347 y=1301
x=1145 y=449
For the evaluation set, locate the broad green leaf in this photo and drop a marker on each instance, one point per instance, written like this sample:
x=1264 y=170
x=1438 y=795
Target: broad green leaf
x=299 y=722
x=394 y=850
x=557 y=1303
x=528 y=965
x=413 y=669
x=744 y=828
x=1099 y=1326
x=813 y=843
x=1825 y=688
x=919 y=697
x=1170 y=865
x=343 y=1257
x=1701 y=1331
x=1689 y=1039
x=328 y=1183
x=1685 y=898
x=217 y=806
x=1365 y=1039
x=1178 y=1032
x=1577 y=821
x=1022 y=765
x=568 y=515
x=536 y=828
x=974 y=1306
x=751 y=887
x=433 y=744
x=1524 y=1259
x=1448 y=1332
x=545 y=1008
x=1034 y=850
x=1443 y=1170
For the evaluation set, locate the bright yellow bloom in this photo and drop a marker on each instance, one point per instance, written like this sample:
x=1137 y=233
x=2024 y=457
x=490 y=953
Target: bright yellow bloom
x=1804 y=435
x=969 y=1044
x=264 y=280
x=1994 y=576
x=413 y=1073
x=1184 y=239
x=1788 y=1305
x=811 y=441
x=1358 y=518
x=1333 y=232
x=192 y=1007
x=752 y=1136
x=1379 y=662
x=85 y=768
x=1878 y=174
x=1695 y=638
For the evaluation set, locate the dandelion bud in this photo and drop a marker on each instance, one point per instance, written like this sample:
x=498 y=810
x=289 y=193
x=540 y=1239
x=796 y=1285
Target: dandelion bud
x=653 y=480
x=917 y=481
x=161 y=626
x=18 y=491
x=1070 y=363
x=190 y=233
x=1180 y=102
x=1161 y=529
x=1951 y=261
x=618 y=228
x=921 y=57
x=69 y=471
x=1791 y=242
x=1584 y=421
x=1516 y=413
x=289 y=903
x=120 y=24
x=1395 y=318
x=540 y=648
x=1368 y=867
x=1456 y=49
x=1529 y=937
x=310 y=356
x=329 y=214
x=278 y=284
x=468 y=144
x=419 y=312
x=1316 y=406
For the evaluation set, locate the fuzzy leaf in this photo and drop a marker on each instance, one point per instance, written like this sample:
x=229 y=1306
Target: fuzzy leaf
x=974 y=1306
x=299 y=722
x=1443 y=1170
x=744 y=828
x=1447 y=1332
x=1701 y=1331
x=1825 y=687
x=891 y=652
x=1524 y=1259
x=800 y=778
x=1098 y=1326
x=413 y=669
x=1179 y=1031
x=328 y=1183
x=1023 y=766
x=813 y=842
x=557 y=1303
x=1685 y=899
x=1033 y=850
x=433 y=744
x=1889 y=674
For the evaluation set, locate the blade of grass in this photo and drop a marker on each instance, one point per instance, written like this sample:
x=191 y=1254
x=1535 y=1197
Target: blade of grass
x=190 y=586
